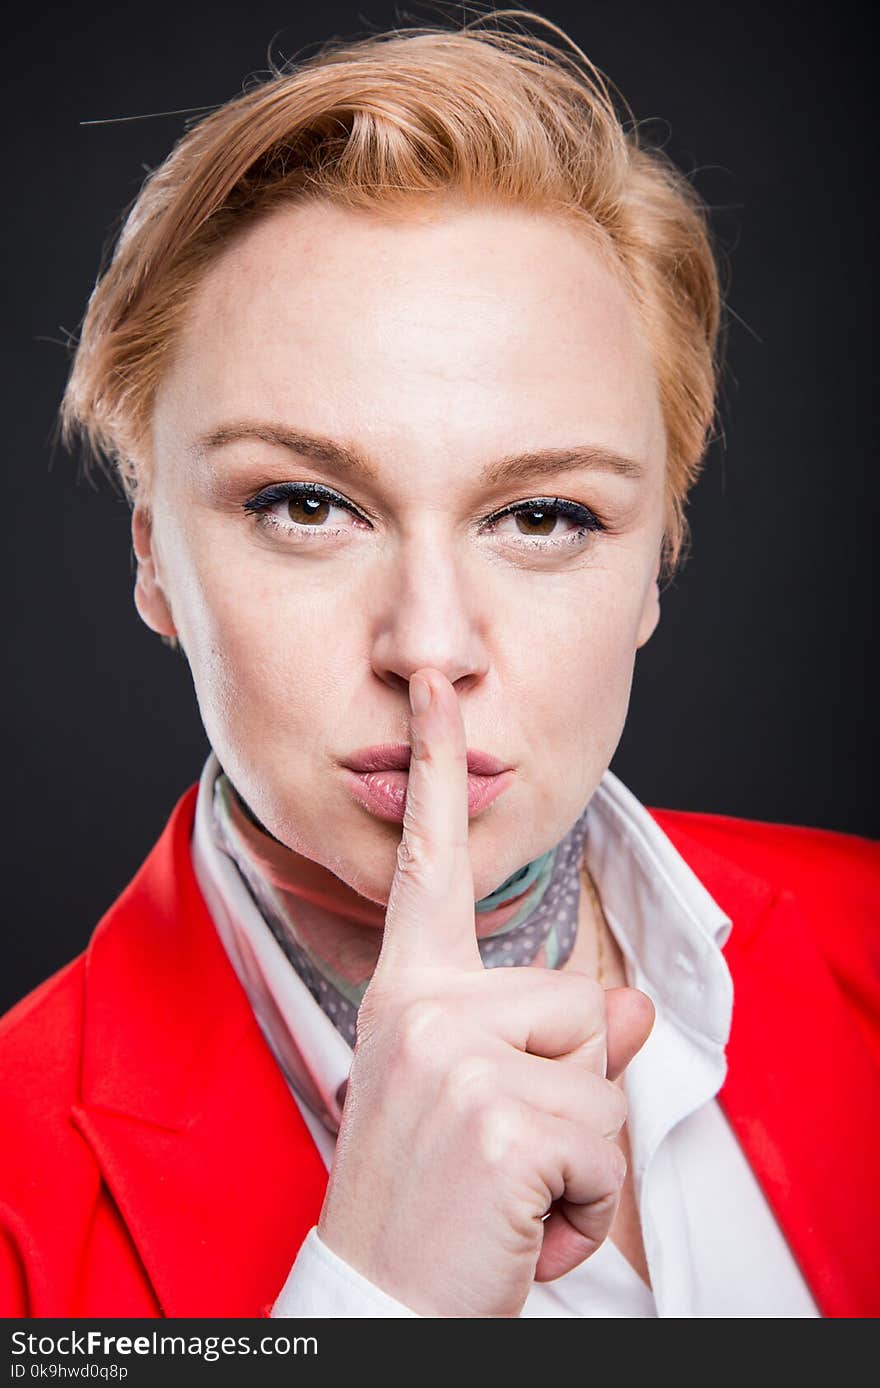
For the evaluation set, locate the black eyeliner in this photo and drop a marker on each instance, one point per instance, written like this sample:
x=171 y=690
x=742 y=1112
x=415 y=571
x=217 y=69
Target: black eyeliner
x=580 y=515
x=283 y=491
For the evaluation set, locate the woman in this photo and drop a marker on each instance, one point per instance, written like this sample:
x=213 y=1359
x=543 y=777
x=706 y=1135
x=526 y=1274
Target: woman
x=407 y=361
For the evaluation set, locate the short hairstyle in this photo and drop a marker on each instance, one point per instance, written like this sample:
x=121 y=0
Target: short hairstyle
x=479 y=112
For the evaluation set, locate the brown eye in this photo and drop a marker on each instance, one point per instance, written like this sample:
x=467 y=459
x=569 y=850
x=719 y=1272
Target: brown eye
x=551 y=522
x=536 y=522
x=308 y=510
x=299 y=511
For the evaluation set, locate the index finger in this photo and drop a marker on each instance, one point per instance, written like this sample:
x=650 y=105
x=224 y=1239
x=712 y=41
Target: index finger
x=430 y=916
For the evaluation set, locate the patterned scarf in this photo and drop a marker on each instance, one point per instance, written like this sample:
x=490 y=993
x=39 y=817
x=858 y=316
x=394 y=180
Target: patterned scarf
x=535 y=910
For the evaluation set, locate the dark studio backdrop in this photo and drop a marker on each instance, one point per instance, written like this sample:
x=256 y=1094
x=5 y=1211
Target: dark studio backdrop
x=754 y=697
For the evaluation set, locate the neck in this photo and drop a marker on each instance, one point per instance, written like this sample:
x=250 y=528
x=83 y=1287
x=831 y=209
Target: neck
x=332 y=935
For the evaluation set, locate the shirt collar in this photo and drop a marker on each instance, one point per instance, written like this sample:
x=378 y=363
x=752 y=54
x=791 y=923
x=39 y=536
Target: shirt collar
x=669 y=927
x=313 y=1056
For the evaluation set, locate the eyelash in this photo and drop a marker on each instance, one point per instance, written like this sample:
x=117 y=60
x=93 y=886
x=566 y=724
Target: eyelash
x=260 y=507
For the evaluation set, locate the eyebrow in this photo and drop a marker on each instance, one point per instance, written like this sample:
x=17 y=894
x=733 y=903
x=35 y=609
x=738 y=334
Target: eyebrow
x=348 y=461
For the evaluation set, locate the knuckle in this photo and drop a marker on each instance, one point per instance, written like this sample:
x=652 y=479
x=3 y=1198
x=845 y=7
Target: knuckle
x=469 y=1083
x=421 y=1031
x=412 y=851
x=368 y=1021
x=498 y=1133
x=420 y=749
x=365 y=1028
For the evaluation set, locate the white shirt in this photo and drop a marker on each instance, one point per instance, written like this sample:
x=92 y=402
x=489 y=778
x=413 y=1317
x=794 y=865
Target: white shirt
x=712 y=1243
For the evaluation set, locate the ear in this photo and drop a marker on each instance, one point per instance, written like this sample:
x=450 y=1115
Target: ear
x=149 y=595
x=651 y=610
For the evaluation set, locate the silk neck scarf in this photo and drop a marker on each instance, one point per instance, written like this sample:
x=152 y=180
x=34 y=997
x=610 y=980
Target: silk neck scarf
x=531 y=918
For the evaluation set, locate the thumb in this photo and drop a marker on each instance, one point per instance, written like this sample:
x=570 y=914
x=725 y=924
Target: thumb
x=629 y=1020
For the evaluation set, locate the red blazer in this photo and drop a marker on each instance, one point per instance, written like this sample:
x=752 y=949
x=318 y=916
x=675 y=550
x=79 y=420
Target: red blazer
x=154 y=1163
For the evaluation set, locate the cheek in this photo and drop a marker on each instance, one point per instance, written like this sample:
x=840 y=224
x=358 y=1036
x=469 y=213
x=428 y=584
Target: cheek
x=580 y=684
x=264 y=671
x=264 y=657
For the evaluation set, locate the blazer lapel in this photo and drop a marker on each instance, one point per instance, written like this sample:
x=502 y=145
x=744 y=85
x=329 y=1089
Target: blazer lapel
x=802 y=1093
x=198 y=1137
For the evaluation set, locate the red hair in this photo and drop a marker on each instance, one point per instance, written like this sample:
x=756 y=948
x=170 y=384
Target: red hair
x=379 y=124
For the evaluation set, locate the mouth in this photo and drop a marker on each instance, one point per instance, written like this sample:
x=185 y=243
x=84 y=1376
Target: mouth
x=383 y=793
x=395 y=756
x=378 y=776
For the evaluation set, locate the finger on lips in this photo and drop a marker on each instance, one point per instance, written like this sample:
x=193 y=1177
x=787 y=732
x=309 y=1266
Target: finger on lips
x=430 y=914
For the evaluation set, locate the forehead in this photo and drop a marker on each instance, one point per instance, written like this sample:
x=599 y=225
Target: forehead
x=475 y=329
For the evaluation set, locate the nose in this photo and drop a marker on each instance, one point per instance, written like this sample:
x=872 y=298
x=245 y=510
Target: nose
x=430 y=613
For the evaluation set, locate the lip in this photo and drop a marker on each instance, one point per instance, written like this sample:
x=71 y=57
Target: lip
x=383 y=792
x=394 y=756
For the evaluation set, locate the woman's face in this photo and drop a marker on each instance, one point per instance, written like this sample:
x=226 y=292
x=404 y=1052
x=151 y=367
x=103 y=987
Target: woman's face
x=403 y=366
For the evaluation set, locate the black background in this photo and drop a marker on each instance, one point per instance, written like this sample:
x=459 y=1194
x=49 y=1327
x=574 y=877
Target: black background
x=754 y=697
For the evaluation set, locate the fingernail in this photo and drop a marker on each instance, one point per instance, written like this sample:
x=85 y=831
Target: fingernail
x=419 y=695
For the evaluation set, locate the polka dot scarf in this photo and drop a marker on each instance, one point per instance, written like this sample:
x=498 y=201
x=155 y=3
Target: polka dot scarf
x=531 y=918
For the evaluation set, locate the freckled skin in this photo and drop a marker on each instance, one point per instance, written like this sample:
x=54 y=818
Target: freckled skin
x=435 y=347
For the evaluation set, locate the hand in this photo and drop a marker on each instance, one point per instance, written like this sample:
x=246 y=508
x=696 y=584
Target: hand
x=478 y=1099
